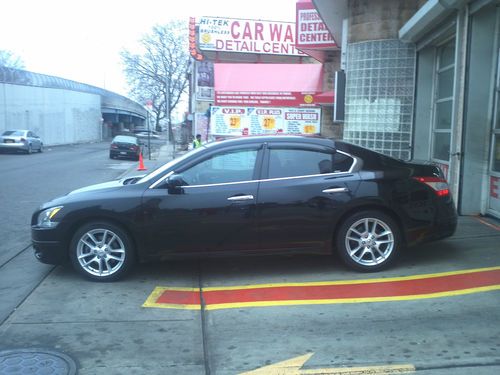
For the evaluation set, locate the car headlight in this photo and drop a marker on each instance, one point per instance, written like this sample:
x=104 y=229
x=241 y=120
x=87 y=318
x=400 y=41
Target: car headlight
x=46 y=217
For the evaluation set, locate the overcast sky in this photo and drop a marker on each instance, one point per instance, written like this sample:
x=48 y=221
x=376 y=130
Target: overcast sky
x=81 y=39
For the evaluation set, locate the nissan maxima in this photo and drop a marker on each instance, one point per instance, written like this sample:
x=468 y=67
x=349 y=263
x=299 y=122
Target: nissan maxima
x=251 y=195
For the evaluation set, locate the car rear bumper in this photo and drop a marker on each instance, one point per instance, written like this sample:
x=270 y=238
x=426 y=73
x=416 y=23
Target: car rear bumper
x=444 y=225
x=123 y=153
x=14 y=146
x=46 y=249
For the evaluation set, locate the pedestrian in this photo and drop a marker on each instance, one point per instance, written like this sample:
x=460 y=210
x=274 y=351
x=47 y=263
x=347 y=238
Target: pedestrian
x=197 y=141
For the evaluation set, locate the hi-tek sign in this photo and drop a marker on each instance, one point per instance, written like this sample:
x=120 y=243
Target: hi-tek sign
x=247 y=36
x=312 y=32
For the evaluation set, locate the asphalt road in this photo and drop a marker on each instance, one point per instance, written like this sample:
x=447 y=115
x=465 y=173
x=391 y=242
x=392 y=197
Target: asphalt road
x=107 y=328
x=26 y=181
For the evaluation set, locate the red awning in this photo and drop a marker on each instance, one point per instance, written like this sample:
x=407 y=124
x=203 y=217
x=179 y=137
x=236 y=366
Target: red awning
x=324 y=98
x=278 y=85
x=268 y=77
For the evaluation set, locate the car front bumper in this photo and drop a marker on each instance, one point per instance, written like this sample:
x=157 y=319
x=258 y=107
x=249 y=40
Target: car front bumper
x=47 y=247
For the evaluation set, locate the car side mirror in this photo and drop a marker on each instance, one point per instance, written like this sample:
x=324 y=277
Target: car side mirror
x=175 y=183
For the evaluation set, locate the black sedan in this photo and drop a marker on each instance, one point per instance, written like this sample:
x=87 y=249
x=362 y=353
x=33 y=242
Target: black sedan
x=124 y=146
x=252 y=195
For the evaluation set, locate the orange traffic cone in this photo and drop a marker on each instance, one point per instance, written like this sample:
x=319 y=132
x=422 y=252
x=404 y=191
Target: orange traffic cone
x=141 y=163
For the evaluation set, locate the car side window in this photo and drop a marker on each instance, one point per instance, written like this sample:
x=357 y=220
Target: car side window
x=232 y=166
x=292 y=163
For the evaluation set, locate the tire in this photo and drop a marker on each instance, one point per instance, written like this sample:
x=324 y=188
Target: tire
x=29 y=150
x=101 y=251
x=111 y=156
x=40 y=150
x=368 y=241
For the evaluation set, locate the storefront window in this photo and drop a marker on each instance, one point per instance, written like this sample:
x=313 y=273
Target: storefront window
x=497 y=124
x=443 y=101
x=495 y=165
x=447 y=54
x=443 y=114
x=445 y=82
x=441 y=146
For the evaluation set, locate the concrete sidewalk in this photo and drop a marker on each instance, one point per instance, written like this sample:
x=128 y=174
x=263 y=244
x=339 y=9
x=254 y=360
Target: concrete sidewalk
x=104 y=328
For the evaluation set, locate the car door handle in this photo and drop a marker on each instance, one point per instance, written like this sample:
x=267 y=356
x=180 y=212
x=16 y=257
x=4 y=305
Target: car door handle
x=336 y=190
x=237 y=198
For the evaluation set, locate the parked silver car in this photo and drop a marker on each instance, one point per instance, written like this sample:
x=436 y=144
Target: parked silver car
x=20 y=140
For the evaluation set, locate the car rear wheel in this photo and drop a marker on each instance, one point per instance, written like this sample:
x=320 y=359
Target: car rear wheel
x=368 y=241
x=102 y=251
x=29 y=150
x=41 y=148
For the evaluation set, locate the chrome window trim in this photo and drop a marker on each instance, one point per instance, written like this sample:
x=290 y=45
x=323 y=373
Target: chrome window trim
x=355 y=162
x=220 y=184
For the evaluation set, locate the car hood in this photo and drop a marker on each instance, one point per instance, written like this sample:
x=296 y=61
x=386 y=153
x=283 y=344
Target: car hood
x=115 y=184
x=92 y=192
x=104 y=185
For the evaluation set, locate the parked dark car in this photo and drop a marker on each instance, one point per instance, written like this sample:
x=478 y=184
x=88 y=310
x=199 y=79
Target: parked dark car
x=20 y=140
x=124 y=146
x=252 y=195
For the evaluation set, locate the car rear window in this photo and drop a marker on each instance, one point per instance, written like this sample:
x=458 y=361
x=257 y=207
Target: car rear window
x=125 y=139
x=13 y=132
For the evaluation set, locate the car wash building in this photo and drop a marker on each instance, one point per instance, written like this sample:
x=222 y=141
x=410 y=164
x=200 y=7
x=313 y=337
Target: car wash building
x=423 y=82
x=249 y=78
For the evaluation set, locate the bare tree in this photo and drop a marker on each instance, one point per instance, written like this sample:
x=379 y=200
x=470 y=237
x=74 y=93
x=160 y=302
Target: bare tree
x=10 y=60
x=159 y=73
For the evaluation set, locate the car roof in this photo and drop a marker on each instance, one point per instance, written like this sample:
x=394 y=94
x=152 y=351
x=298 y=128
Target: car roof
x=317 y=140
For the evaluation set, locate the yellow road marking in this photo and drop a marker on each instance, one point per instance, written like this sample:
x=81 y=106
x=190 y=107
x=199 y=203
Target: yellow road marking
x=158 y=291
x=151 y=301
x=294 y=366
x=349 y=300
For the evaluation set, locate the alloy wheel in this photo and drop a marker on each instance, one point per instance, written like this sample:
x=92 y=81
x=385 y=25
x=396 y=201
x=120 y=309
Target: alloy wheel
x=100 y=252
x=369 y=242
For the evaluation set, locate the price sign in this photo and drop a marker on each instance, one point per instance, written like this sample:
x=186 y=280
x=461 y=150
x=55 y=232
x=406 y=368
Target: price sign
x=269 y=123
x=235 y=122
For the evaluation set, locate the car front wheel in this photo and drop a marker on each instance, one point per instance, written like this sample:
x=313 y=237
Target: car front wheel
x=368 y=241
x=101 y=251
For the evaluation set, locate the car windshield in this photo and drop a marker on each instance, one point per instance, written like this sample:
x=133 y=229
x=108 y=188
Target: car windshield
x=14 y=132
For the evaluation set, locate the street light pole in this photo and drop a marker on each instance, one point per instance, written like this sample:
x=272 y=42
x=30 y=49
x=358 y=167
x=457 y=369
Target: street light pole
x=149 y=135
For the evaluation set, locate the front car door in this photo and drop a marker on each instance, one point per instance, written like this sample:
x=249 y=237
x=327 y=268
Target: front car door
x=213 y=210
x=302 y=192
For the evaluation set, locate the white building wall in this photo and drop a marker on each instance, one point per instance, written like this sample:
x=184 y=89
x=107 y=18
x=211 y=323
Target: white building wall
x=58 y=116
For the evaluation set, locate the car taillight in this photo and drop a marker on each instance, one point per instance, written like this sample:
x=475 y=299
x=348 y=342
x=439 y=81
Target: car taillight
x=133 y=148
x=113 y=145
x=439 y=185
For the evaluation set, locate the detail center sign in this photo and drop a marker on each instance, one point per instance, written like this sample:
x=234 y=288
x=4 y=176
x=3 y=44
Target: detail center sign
x=247 y=36
x=237 y=121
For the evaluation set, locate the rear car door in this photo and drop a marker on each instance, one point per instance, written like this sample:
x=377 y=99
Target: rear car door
x=213 y=210
x=35 y=140
x=301 y=195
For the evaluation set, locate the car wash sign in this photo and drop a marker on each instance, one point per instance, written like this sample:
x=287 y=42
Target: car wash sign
x=312 y=32
x=247 y=36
